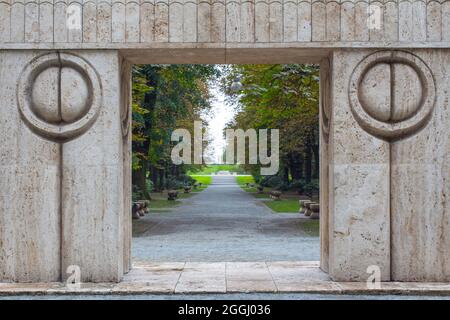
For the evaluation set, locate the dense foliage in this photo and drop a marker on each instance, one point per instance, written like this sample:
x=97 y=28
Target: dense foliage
x=284 y=97
x=165 y=97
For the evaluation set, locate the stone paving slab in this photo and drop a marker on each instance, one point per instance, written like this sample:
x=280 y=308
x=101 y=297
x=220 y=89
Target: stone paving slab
x=226 y=277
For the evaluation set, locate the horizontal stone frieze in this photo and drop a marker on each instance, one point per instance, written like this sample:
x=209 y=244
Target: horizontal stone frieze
x=107 y=22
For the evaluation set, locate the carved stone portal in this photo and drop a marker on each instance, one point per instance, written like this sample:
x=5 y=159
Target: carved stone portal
x=384 y=162
x=59 y=96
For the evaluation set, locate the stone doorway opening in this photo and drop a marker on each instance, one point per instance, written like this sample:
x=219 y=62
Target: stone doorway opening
x=384 y=193
x=187 y=271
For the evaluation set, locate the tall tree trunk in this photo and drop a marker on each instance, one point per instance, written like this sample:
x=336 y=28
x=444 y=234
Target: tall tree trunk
x=161 y=179
x=308 y=162
x=154 y=177
x=315 y=149
x=286 y=175
x=295 y=166
x=139 y=177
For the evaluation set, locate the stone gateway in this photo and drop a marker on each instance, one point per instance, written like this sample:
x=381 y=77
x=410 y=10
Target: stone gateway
x=65 y=143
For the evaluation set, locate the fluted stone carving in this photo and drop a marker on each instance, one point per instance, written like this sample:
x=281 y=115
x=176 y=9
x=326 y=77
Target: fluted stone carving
x=107 y=22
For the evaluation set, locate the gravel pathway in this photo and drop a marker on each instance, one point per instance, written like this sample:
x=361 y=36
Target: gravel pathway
x=223 y=223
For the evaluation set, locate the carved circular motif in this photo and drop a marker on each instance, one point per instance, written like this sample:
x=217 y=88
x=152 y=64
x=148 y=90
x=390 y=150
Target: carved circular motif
x=325 y=100
x=392 y=94
x=125 y=109
x=59 y=96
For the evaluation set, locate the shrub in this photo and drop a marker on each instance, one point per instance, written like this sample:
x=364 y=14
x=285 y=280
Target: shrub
x=282 y=186
x=313 y=186
x=149 y=185
x=271 y=181
x=186 y=180
x=298 y=185
x=138 y=194
x=173 y=183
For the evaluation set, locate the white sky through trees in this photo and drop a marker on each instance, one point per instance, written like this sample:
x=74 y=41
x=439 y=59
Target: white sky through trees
x=221 y=113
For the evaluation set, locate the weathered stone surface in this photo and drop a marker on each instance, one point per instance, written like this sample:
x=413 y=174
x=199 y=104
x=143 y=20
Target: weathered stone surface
x=125 y=115
x=324 y=125
x=74 y=95
x=29 y=188
x=65 y=192
x=394 y=100
x=45 y=95
x=420 y=188
x=409 y=234
x=92 y=185
x=61 y=201
x=60 y=95
x=359 y=185
x=108 y=23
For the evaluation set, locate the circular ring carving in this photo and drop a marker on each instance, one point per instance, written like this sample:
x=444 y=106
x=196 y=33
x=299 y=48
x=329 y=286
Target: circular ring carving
x=125 y=108
x=59 y=96
x=325 y=100
x=392 y=94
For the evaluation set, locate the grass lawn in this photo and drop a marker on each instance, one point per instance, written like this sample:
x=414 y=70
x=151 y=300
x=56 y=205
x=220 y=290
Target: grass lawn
x=261 y=195
x=182 y=195
x=206 y=180
x=214 y=168
x=242 y=180
x=159 y=202
x=198 y=189
x=249 y=189
x=162 y=204
x=283 y=205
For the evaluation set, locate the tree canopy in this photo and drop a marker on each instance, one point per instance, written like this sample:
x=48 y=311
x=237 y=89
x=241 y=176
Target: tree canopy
x=165 y=97
x=284 y=97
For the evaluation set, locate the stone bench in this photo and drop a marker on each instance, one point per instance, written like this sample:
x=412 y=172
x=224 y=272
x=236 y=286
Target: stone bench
x=315 y=209
x=172 y=195
x=139 y=209
x=307 y=211
x=275 y=195
x=302 y=203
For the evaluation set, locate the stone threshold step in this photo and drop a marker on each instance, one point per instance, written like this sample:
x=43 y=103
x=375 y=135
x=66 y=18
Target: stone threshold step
x=344 y=288
x=226 y=277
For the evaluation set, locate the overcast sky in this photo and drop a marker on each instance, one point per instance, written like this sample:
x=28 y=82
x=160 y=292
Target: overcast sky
x=221 y=113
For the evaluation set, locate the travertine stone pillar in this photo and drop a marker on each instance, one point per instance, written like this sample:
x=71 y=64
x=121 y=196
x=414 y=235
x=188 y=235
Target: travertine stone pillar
x=62 y=164
x=390 y=164
x=420 y=182
x=29 y=187
x=93 y=201
x=359 y=196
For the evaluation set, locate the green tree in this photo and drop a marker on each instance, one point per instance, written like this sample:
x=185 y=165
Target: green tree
x=284 y=97
x=164 y=97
